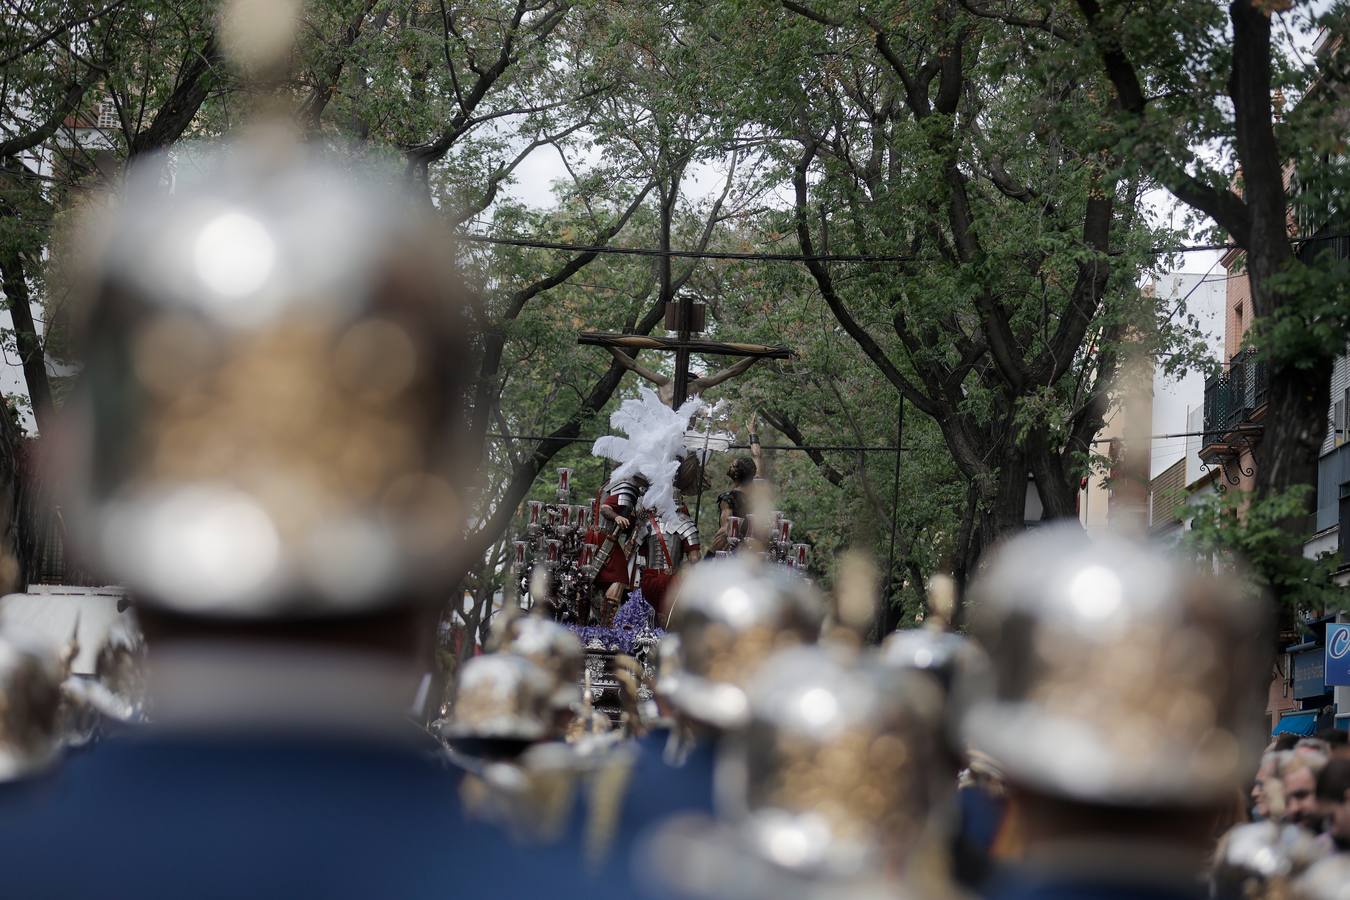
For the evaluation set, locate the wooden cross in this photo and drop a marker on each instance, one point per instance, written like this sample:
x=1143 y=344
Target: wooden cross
x=686 y=320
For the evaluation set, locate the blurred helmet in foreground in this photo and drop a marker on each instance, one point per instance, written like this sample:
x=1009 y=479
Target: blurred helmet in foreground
x=669 y=665
x=1328 y=879
x=116 y=692
x=119 y=669
x=30 y=706
x=268 y=422
x=552 y=648
x=945 y=657
x=835 y=774
x=1114 y=671
x=1257 y=860
x=502 y=702
x=730 y=614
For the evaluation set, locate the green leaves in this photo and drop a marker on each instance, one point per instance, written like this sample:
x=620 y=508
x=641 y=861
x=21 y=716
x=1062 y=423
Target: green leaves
x=1258 y=532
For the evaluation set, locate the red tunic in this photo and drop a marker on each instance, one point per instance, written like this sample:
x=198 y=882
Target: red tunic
x=656 y=578
x=615 y=570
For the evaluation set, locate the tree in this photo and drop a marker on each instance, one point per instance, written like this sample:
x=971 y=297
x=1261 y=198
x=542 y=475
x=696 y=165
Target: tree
x=964 y=153
x=1198 y=101
x=71 y=64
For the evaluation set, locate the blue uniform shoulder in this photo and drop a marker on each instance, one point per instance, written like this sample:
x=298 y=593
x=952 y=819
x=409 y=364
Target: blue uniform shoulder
x=174 y=816
x=1014 y=884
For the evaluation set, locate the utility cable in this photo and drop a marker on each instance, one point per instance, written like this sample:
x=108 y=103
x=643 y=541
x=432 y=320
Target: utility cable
x=531 y=243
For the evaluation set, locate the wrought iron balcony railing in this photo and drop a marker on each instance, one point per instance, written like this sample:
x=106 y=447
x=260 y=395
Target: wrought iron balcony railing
x=1234 y=396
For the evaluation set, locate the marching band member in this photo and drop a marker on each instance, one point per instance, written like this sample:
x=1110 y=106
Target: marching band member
x=266 y=449
x=1121 y=724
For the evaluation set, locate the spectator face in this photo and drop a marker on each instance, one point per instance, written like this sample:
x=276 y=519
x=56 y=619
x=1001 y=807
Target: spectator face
x=1260 y=804
x=1300 y=798
x=1338 y=819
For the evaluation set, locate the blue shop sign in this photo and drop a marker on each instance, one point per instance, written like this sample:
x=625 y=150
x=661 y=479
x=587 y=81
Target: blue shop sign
x=1308 y=674
x=1338 y=653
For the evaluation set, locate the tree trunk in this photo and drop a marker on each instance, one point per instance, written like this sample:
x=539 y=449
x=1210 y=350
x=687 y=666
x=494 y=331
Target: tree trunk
x=1000 y=511
x=1057 y=490
x=16 y=528
x=1295 y=426
x=31 y=355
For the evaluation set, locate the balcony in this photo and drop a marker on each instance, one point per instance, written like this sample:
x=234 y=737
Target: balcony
x=1233 y=398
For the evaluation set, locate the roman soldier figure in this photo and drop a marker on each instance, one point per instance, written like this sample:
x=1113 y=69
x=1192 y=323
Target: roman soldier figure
x=651 y=532
x=655 y=546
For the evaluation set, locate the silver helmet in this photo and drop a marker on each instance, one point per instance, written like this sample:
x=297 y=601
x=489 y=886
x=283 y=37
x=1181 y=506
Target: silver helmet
x=552 y=648
x=1328 y=879
x=1259 y=860
x=834 y=774
x=30 y=705
x=731 y=614
x=1114 y=681
x=669 y=664
x=946 y=657
x=500 y=699
x=268 y=422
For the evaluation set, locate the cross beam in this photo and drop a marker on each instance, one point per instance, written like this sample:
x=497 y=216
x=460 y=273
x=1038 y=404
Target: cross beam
x=682 y=347
x=672 y=345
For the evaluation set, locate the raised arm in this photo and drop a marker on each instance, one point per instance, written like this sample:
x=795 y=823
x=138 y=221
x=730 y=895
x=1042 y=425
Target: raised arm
x=699 y=385
x=642 y=371
x=756 y=451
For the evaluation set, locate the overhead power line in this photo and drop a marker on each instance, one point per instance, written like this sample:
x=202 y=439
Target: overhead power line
x=683 y=254
x=824 y=448
x=533 y=244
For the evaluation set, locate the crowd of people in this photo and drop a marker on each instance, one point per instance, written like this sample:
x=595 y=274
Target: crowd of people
x=267 y=451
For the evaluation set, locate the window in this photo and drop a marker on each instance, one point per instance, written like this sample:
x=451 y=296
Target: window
x=1343 y=522
x=107 y=115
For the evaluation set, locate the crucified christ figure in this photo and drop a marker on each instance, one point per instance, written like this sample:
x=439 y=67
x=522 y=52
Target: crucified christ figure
x=665 y=385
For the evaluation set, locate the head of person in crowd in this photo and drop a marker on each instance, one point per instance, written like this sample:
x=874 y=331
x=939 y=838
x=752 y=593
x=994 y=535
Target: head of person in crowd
x=1337 y=741
x=1333 y=797
x=1262 y=795
x=1285 y=741
x=1327 y=879
x=266 y=444
x=1313 y=747
x=1298 y=780
x=1115 y=714
x=1259 y=860
x=729 y=616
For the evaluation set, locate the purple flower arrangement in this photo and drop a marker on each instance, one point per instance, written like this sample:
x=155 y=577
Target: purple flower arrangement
x=635 y=617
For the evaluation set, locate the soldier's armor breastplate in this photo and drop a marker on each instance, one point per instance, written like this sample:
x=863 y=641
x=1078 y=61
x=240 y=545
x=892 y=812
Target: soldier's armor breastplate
x=656 y=557
x=686 y=532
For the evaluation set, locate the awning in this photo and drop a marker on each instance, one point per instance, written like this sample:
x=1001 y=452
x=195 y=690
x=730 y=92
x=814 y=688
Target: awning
x=1303 y=723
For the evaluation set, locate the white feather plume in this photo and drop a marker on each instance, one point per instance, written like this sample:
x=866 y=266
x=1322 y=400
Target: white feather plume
x=652 y=450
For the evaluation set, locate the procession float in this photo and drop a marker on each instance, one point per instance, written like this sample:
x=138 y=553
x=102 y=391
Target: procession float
x=603 y=567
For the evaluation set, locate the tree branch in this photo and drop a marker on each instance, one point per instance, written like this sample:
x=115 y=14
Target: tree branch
x=832 y=299
x=70 y=101
x=311 y=111
x=59 y=29
x=177 y=113
x=1042 y=24
x=1220 y=204
x=790 y=430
